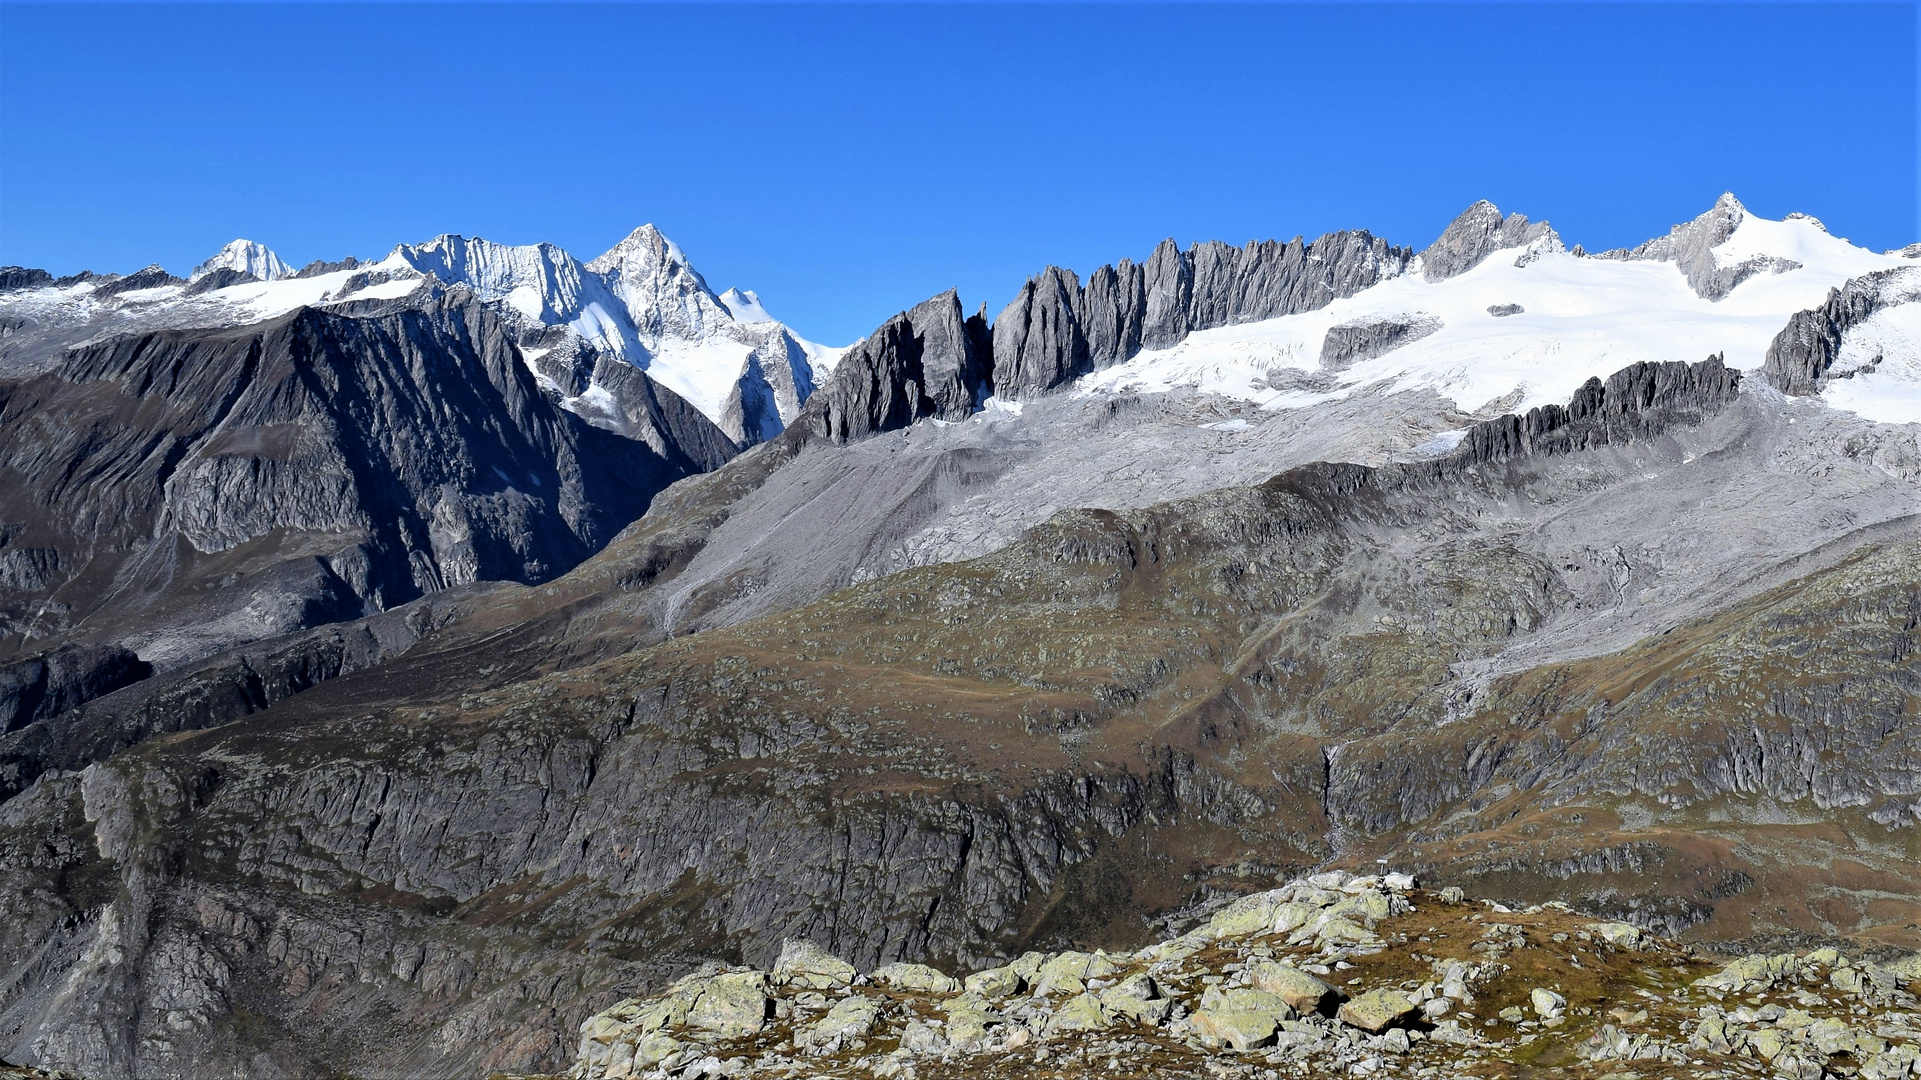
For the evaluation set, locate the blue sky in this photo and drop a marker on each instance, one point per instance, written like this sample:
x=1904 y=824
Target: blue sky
x=847 y=162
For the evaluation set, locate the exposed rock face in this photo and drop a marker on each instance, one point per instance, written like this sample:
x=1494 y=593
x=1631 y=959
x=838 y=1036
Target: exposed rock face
x=1477 y=233
x=931 y=361
x=323 y=465
x=1799 y=357
x=220 y=277
x=21 y=277
x=1038 y=340
x=1349 y=343
x=1056 y=329
x=43 y=686
x=1634 y=402
x=150 y=278
x=1690 y=247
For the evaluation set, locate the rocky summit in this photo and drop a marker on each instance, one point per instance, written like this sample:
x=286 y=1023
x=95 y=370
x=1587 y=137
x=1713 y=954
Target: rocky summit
x=1330 y=975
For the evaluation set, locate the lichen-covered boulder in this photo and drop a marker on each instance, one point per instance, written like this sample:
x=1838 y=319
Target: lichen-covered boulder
x=852 y=1018
x=968 y=1022
x=731 y=1005
x=1082 y=1012
x=805 y=964
x=996 y=982
x=915 y=977
x=1302 y=991
x=1378 y=1010
x=1242 y=1029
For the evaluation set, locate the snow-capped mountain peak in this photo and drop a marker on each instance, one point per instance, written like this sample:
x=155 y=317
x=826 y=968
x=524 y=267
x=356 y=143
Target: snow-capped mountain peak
x=247 y=257
x=664 y=295
x=744 y=306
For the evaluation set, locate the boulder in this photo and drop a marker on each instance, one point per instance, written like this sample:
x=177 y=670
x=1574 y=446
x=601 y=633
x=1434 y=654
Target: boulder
x=1240 y=1029
x=923 y=1039
x=731 y=1005
x=1303 y=992
x=1547 y=1004
x=1378 y=1010
x=1138 y=998
x=851 y=1019
x=807 y=965
x=968 y=1021
x=998 y=982
x=915 y=977
x=1082 y=1012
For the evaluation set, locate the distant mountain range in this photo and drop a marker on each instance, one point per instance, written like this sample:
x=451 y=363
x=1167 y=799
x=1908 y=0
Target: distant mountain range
x=403 y=661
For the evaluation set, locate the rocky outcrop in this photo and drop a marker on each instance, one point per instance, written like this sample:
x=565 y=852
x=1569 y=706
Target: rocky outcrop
x=1056 y=329
x=1350 y=343
x=1429 y=984
x=43 y=686
x=21 y=277
x=930 y=361
x=150 y=278
x=1799 y=357
x=1477 y=233
x=219 y=278
x=1634 y=403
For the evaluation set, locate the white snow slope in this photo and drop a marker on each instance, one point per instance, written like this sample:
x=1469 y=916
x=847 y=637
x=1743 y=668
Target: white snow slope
x=1582 y=317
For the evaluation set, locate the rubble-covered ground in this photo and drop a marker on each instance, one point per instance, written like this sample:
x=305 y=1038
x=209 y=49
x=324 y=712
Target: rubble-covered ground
x=1332 y=975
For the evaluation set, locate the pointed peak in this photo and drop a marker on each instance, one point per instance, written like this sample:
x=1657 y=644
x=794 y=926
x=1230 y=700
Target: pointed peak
x=248 y=257
x=744 y=306
x=1479 y=231
x=647 y=244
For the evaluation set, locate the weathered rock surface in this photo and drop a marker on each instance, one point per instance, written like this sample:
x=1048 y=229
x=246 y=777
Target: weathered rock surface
x=1056 y=329
x=930 y=361
x=1477 y=233
x=1652 y=1005
x=1349 y=343
x=1690 y=247
x=1799 y=357
x=319 y=467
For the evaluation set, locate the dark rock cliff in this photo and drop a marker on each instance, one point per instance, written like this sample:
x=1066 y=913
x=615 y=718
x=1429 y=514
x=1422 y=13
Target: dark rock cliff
x=1799 y=357
x=930 y=361
x=1056 y=329
x=1638 y=401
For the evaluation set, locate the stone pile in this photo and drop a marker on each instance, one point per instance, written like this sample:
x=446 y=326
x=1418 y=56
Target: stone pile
x=1332 y=975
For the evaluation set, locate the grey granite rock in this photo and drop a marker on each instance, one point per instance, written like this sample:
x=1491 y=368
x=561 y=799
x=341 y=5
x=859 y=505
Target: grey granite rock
x=219 y=279
x=1038 y=341
x=322 y=465
x=322 y=266
x=152 y=277
x=930 y=361
x=1632 y=403
x=1477 y=233
x=1055 y=329
x=1502 y=311
x=42 y=686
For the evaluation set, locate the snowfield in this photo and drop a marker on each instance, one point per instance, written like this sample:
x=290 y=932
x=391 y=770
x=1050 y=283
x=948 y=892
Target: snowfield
x=1581 y=317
